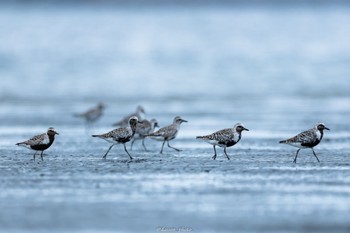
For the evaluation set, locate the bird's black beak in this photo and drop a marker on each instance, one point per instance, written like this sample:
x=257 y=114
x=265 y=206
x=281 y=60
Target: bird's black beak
x=326 y=128
x=183 y=120
x=57 y=133
x=245 y=129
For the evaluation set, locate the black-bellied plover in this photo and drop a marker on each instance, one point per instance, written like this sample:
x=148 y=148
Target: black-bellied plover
x=225 y=138
x=144 y=128
x=307 y=139
x=120 y=135
x=140 y=112
x=92 y=114
x=168 y=133
x=40 y=142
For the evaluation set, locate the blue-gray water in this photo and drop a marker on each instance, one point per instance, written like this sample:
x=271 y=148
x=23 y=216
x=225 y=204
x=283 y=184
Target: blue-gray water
x=278 y=70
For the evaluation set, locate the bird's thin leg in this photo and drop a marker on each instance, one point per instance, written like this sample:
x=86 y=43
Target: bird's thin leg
x=127 y=151
x=214 y=157
x=34 y=155
x=161 y=151
x=104 y=157
x=226 y=153
x=132 y=143
x=296 y=155
x=173 y=147
x=41 y=155
x=143 y=144
x=315 y=154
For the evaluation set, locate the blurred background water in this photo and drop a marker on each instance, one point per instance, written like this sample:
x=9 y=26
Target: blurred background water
x=278 y=67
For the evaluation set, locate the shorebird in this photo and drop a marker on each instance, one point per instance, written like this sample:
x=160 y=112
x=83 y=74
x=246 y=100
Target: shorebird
x=307 y=139
x=225 y=138
x=40 y=142
x=92 y=114
x=144 y=128
x=120 y=135
x=140 y=112
x=168 y=133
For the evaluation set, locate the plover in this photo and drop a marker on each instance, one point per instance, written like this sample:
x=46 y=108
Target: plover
x=92 y=114
x=144 y=128
x=307 y=139
x=40 y=142
x=225 y=138
x=168 y=133
x=140 y=112
x=120 y=135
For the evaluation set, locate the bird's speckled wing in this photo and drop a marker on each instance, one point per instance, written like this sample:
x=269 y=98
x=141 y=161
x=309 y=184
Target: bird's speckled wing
x=118 y=133
x=308 y=136
x=166 y=132
x=36 y=140
x=220 y=136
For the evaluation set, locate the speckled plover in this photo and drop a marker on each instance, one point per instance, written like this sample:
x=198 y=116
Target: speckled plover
x=168 y=133
x=225 y=138
x=307 y=139
x=120 y=135
x=93 y=114
x=144 y=128
x=40 y=142
x=140 y=112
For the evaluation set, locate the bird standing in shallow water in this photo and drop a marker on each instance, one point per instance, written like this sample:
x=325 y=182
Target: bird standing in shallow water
x=120 y=135
x=144 y=128
x=307 y=139
x=168 y=133
x=140 y=112
x=224 y=138
x=40 y=142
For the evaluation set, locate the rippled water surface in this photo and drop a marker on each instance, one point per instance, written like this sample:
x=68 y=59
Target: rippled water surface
x=278 y=70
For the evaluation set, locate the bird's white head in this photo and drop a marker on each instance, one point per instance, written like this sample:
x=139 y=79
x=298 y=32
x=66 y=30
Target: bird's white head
x=179 y=120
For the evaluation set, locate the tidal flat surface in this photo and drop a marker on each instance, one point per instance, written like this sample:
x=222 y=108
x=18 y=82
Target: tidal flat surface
x=278 y=70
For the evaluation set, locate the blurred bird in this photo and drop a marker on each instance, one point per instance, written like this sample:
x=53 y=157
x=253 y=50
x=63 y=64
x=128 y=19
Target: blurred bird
x=168 y=133
x=140 y=112
x=120 y=135
x=307 y=139
x=92 y=114
x=40 y=142
x=144 y=128
x=225 y=138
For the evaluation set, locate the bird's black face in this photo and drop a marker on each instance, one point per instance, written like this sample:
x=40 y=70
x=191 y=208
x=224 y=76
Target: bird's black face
x=240 y=128
x=322 y=127
x=133 y=121
x=51 y=132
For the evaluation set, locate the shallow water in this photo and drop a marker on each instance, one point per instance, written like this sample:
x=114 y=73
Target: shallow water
x=277 y=70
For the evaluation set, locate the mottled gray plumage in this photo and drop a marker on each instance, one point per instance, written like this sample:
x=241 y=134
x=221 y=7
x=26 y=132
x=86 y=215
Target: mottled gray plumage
x=120 y=135
x=40 y=142
x=168 y=133
x=140 y=111
x=225 y=138
x=307 y=139
x=93 y=114
x=143 y=128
